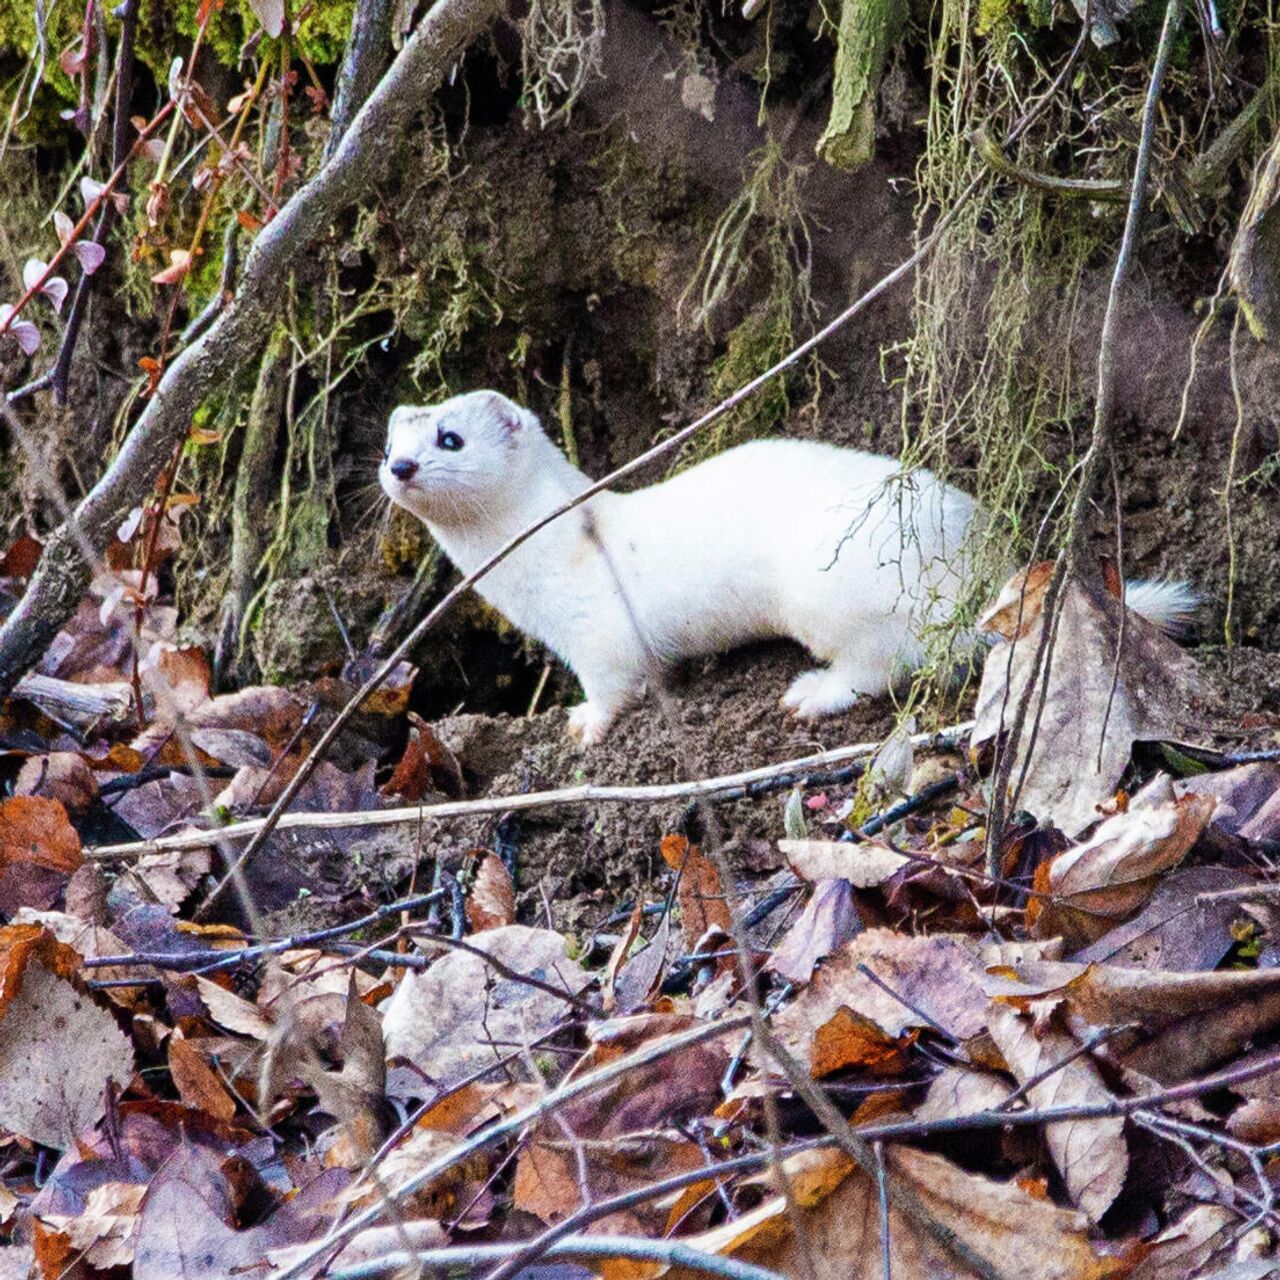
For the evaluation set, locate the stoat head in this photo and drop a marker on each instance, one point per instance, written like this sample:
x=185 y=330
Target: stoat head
x=452 y=462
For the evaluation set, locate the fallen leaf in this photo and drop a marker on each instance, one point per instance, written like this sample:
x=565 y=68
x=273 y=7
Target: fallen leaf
x=1019 y=604
x=850 y=1040
x=185 y=1227
x=491 y=903
x=940 y=976
x=62 y=776
x=444 y=1020
x=1175 y=930
x=1091 y=1155
x=59 y=1052
x=1114 y=872
x=830 y=918
x=864 y=865
x=700 y=893
x=1074 y=767
x=197 y=1083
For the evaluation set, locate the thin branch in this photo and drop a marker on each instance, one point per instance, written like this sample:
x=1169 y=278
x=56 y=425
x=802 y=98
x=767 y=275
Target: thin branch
x=672 y=1253
x=587 y=793
x=1090 y=467
x=508 y=1128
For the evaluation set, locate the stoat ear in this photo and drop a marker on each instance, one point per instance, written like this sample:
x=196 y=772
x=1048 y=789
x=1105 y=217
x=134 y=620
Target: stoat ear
x=506 y=413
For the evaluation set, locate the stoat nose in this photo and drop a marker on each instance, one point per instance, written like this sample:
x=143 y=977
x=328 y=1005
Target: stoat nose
x=403 y=468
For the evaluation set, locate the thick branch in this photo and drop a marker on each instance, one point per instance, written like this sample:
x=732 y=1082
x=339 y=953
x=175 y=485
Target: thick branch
x=234 y=338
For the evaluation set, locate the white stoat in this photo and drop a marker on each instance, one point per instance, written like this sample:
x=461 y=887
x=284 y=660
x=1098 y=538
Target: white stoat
x=832 y=547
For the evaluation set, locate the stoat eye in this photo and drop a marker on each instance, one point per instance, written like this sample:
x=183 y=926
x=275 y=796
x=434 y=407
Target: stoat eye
x=450 y=440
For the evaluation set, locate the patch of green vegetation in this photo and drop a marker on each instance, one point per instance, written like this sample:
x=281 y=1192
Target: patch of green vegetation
x=758 y=250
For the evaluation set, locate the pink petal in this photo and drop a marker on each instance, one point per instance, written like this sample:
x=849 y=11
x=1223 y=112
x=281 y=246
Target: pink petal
x=91 y=255
x=55 y=289
x=32 y=270
x=90 y=190
x=28 y=336
x=63 y=226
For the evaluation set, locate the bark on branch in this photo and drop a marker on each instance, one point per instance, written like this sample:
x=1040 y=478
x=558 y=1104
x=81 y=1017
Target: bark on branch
x=235 y=337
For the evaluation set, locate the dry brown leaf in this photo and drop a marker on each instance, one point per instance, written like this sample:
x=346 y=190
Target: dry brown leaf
x=622 y=1135
x=1175 y=930
x=1071 y=771
x=58 y=1053
x=1181 y=1251
x=1019 y=604
x=617 y=957
x=1114 y=872
x=35 y=836
x=197 y=1083
x=1091 y=1155
x=961 y=1091
x=445 y=1019
x=1107 y=995
x=63 y=776
x=185 y=1227
x=940 y=975
x=640 y=977
x=232 y=1011
x=491 y=903
x=102 y=1232
x=999 y=1224
x=850 y=1040
x=426 y=765
x=829 y=919
x=701 y=895
x=864 y=865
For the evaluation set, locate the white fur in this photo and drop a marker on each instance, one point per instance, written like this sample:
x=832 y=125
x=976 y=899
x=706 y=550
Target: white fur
x=832 y=547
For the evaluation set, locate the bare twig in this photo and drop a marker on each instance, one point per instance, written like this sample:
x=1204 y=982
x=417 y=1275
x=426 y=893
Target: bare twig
x=1068 y=561
x=587 y=793
x=510 y=1126
x=672 y=1253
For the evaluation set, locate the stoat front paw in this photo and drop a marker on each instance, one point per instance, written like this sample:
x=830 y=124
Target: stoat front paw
x=589 y=724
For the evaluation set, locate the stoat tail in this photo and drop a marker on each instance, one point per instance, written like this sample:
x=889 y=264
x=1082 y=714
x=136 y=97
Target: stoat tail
x=1166 y=604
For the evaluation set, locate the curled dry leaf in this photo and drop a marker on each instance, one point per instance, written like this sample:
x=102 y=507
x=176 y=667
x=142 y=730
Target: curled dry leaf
x=701 y=895
x=1074 y=766
x=1091 y=1155
x=1114 y=872
x=492 y=900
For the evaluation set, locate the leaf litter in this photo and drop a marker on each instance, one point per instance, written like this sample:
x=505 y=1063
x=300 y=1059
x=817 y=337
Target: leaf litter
x=1070 y=1071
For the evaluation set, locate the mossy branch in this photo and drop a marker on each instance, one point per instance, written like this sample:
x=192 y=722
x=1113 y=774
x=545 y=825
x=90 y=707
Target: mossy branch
x=868 y=30
x=236 y=336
